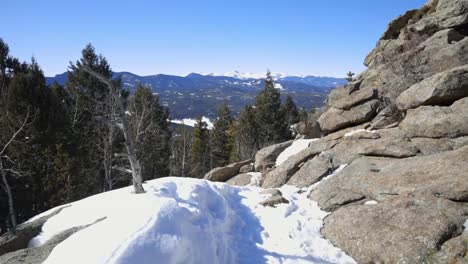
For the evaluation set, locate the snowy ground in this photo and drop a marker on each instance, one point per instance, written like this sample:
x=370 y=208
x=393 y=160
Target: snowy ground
x=193 y=122
x=180 y=220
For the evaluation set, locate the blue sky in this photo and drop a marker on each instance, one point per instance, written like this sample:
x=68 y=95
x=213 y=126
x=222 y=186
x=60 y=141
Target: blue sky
x=327 y=37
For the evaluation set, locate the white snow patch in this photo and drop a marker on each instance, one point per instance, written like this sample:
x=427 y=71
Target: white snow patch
x=279 y=86
x=296 y=147
x=351 y=133
x=192 y=122
x=372 y=202
x=182 y=220
x=256 y=178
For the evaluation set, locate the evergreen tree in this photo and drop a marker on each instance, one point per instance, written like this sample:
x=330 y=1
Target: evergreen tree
x=222 y=137
x=150 y=122
x=349 y=76
x=247 y=137
x=181 y=152
x=94 y=135
x=290 y=111
x=272 y=126
x=26 y=100
x=200 y=160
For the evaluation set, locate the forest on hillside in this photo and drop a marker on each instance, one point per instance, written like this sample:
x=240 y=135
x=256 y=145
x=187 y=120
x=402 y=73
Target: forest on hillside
x=61 y=143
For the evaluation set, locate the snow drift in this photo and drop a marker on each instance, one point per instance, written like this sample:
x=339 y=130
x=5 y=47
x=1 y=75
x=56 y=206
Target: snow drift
x=180 y=220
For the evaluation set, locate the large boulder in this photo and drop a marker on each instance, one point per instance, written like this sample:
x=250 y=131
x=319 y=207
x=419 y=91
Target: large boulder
x=389 y=116
x=335 y=119
x=312 y=171
x=356 y=98
x=280 y=175
x=308 y=129
x=440 y=89
x=242 y=179
x=437 y=121
x=402 y=229
x=442 y=175
x=266 y=157
x=430 y=146
x=223 y=174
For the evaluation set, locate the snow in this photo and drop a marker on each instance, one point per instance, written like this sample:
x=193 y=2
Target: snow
x=279 y=86
x=296 y=147
x=371 y=202
x=192 y=122
x=351 y=133
x=183 y=220
x=256 y=178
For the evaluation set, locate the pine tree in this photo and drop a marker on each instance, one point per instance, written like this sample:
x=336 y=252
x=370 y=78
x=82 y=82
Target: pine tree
x=290 y=110
x=200 y=160
x=222 y=137
x=181 y=152
x=91 y=114
x=350 y=75
x=247 y=137
x=150 y=121
x=272 y=126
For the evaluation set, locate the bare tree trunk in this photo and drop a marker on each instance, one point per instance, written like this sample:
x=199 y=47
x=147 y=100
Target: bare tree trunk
x=132 y=157
x=6 y=185
x=127 y=131
x=11 y=207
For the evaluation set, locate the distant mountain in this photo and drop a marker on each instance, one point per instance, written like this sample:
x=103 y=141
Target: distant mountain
x=197 y=94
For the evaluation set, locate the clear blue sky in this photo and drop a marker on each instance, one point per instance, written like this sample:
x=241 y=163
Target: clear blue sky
x=327 y=37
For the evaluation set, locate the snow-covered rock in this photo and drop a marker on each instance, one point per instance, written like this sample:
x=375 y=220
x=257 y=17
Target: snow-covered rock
x=296 y=147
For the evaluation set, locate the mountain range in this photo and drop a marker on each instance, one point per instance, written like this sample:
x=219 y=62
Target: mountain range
x=198 y=94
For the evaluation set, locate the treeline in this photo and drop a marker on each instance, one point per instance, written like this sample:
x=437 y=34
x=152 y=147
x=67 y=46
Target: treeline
x=59 y=144
x=232 y=139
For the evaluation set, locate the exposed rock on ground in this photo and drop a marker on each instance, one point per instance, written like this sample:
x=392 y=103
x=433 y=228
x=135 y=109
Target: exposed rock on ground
x=24 y=233
x=37 y=255
x=266 y=157
x=223 y=174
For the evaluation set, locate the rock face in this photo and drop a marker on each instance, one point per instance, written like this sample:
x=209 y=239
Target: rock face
x=368 y=232
x=242 y=179
x=440 y=89
x=437 y=121
x=24 y=233
x=223 y=174
x=402 y=129
x=266 y=157
x=280 y=175
x=336 y=118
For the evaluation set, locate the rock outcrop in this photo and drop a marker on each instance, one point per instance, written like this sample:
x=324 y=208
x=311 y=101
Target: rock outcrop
x=223 y=174
x=266 y=157
x=402 y=129
x=416 y=172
